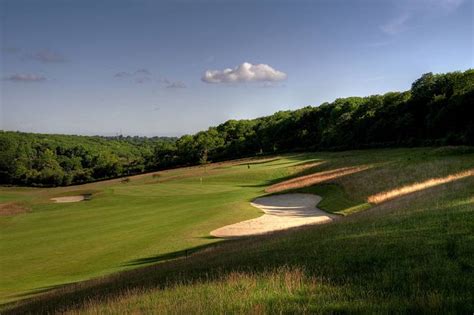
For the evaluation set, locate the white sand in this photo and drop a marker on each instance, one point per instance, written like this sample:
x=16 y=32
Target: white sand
x=281 y=212
x=69 y=199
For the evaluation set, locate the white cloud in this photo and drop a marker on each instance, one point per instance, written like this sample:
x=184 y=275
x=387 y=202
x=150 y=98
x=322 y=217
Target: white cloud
x=245 y=72
x=25 y=78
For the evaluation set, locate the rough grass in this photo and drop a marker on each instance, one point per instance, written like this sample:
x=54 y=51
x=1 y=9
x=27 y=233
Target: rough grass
x=335 y=200
x=413 y=253
x=411 y=188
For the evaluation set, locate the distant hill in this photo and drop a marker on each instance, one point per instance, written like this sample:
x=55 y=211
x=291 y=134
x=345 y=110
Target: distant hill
x=53 y=160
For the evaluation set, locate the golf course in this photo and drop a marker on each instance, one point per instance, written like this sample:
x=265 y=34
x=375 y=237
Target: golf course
x=236 y=157
x=143 y=242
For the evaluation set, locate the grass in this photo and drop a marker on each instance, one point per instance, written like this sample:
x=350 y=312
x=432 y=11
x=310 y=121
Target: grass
x=408 y=189
x=54 y=244
x=335 y=200
x=410 y=254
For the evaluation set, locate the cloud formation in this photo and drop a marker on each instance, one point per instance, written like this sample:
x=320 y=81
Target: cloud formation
x=246 y=72
x=47 y=56
x=25 y=78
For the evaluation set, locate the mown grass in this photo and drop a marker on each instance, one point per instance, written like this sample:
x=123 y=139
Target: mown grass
x=57 y=243
x=411 y=254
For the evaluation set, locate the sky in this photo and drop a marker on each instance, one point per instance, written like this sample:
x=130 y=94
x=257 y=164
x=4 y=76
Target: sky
x=167 y=68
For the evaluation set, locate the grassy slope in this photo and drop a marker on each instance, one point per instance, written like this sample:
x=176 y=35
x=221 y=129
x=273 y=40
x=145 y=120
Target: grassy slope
x=123 y=224
x=413 y=253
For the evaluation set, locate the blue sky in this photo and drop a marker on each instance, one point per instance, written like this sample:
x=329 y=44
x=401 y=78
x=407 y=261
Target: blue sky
x=158 y=68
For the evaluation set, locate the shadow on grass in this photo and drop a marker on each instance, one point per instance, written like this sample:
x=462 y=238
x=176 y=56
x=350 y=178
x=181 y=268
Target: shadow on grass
x=137 y=262
x=291 y=157
x=210 y=237
x=169 y=256
x=363 y=254
x=39 y=290
x=306 y=172
x=311 y=248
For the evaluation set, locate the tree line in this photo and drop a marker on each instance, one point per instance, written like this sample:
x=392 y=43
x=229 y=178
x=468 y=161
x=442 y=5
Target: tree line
x=437 y=110
x=54 y=160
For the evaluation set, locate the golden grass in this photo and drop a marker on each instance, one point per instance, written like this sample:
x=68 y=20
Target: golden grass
x=432 y=182
x=312 y=179
x=236 y=292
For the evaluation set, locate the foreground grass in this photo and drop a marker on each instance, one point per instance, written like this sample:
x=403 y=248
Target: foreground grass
x=413 y=253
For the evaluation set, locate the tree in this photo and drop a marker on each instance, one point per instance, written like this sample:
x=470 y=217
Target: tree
x=7 y=160
x=438 y=109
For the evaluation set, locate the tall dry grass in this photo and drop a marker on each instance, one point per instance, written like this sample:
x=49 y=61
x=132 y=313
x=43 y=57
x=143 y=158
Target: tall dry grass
x=235 y=292
x=432 y=182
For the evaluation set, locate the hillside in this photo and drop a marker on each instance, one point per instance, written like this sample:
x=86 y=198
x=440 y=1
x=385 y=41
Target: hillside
x=31 y=159
x=437 y=110
x=236 y=157
x=409 y=252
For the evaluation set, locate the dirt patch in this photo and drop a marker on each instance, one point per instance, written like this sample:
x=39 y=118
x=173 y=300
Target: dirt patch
x=12 y=208
x=69 y=199
x=281 y=212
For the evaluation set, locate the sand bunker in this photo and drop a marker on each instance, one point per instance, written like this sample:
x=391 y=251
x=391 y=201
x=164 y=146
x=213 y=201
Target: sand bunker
x=69 y=199
x=281 y=212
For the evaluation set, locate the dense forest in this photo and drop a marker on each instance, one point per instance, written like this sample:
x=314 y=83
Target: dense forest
x=437 y=110
x=52 y=160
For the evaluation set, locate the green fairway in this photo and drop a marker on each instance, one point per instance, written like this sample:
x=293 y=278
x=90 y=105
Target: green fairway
x=154 y=217
x=57 y=243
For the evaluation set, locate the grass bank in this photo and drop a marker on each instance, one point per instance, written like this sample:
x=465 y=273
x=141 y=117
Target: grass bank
x=412 y=253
